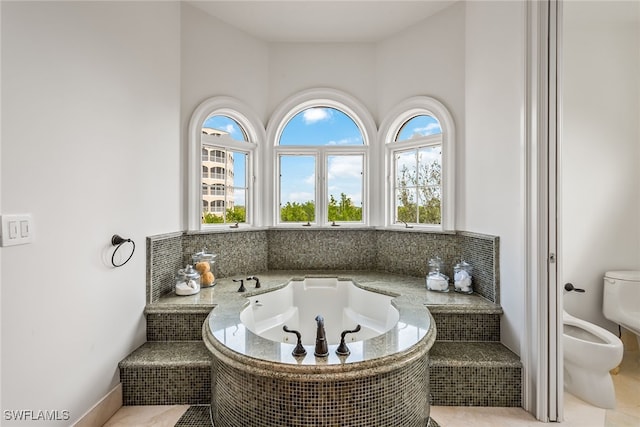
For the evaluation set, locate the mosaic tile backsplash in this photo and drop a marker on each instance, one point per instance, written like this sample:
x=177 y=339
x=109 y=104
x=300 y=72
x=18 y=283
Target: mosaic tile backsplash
x=249 y=252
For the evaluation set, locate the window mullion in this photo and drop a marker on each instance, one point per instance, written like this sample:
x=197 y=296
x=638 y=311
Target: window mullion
x=322 y=204
x=417 y=185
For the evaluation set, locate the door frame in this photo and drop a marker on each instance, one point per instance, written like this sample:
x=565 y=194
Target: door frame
x=542 y=346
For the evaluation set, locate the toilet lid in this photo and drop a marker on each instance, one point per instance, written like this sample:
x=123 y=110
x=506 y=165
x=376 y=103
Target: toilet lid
x=630 y=275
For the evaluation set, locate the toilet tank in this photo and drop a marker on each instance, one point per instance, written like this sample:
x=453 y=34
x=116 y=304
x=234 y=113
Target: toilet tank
x=621 y=298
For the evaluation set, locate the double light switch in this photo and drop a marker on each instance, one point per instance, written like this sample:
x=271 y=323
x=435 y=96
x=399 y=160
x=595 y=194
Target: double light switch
x=16 y=229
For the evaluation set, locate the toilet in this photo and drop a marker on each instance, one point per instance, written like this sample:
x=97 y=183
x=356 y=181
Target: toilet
x=590 y=352
x=621 y=299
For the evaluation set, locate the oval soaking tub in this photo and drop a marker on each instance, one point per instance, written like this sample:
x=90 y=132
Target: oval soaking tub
x=342 y=304
x=256 y=380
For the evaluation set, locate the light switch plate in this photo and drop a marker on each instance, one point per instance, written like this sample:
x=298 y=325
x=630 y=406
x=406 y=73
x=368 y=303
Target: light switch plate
x=16 y=230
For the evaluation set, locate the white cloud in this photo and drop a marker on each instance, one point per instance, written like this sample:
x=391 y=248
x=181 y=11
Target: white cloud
x=345 y=167
x=312 y=115
x=346 y=141
x=345 y=176
x=430 y=129
x=229 y=128
x=311 y=179
x=299 y=196
x=430 y=155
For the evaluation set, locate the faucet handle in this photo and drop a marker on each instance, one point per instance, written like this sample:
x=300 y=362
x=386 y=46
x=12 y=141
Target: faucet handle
x=299 y=350
x=342 y=349
x=242 y=288
x=256 y=279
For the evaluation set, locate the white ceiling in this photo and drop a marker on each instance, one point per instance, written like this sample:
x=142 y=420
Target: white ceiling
x=322 y=21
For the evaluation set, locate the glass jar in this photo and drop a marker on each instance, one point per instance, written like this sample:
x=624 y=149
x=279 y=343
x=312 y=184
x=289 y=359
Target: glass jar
x=436 y=281
x=462 y=277
x=187 y=281
x=436 y=265
x=205 y=264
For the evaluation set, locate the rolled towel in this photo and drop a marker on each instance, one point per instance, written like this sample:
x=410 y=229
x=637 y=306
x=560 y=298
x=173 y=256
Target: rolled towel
x=436 y=282
x=462 y=282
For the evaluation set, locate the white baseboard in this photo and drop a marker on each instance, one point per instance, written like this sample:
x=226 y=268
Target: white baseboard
x=100 y=413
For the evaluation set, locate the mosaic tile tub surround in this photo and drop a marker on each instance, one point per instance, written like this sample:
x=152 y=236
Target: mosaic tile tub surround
x=398 y=397
x=244 y=252
x=256 y=381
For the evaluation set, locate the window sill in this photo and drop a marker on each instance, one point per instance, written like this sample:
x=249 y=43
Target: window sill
x=226 y=229
x=246 y=228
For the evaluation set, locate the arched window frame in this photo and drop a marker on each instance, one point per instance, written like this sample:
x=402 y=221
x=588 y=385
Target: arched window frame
x=251 y=124
x=391 y=125
x=319 y=97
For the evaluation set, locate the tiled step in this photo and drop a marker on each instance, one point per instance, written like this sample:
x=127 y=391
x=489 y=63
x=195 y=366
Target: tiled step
x=167 y=323
x=474 y=374
x=167 y=373
x=455 y=323
x=461 y=374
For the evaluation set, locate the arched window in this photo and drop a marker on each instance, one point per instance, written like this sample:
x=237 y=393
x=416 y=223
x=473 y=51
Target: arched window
x=420 y=151
x=321 y=142
x=225 y=134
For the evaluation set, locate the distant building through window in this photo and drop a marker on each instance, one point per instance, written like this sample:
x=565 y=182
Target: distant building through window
x=224 y=193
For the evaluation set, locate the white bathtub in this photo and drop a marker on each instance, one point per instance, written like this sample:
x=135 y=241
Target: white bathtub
x=342 y=304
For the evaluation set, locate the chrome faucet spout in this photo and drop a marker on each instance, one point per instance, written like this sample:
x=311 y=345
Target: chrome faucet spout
x=321 y=350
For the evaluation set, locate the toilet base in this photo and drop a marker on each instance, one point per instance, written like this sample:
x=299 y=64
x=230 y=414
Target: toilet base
x=595 y=388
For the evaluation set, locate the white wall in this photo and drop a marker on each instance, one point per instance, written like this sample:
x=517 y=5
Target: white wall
x=218 y=59
x=90 y=142
x=349 y=67
x=492 y=151
x=425 y=59
x=600 y=149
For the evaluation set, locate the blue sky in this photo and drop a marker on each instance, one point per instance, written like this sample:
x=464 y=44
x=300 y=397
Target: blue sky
x=419 y=126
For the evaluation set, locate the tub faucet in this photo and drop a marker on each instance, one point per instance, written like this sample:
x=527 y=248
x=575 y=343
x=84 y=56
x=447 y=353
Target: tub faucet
x=256 y=279
x=322 y=350
x=342 y=349
x=242 y=288
x=299 y=350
